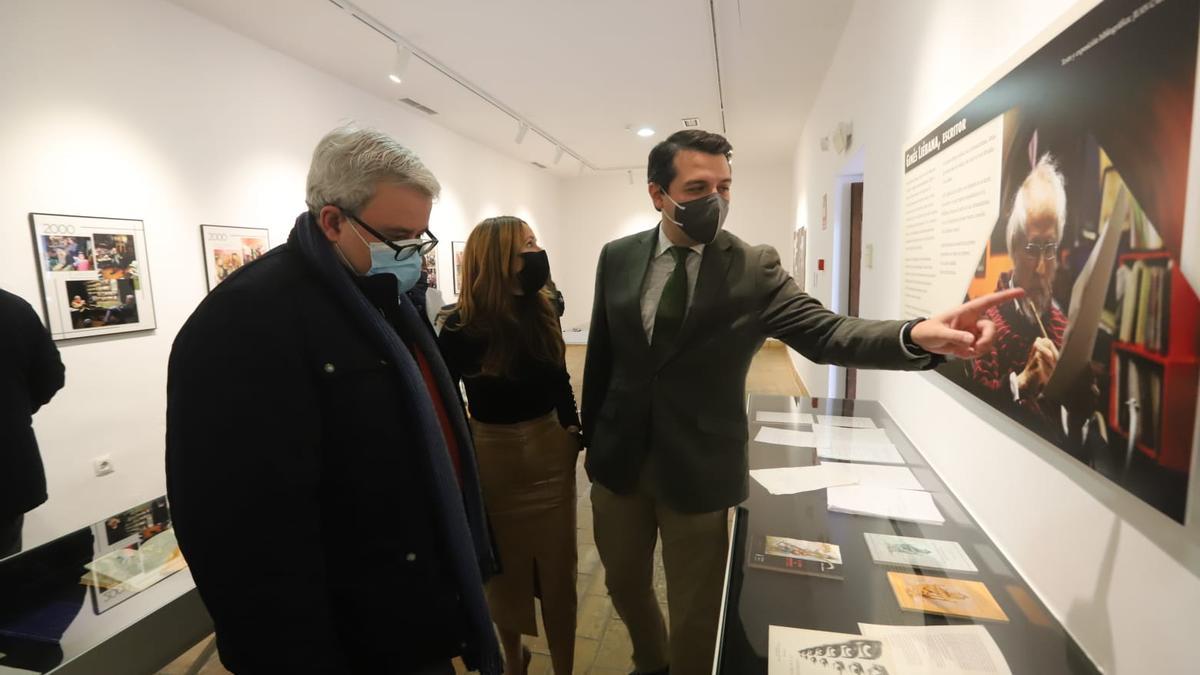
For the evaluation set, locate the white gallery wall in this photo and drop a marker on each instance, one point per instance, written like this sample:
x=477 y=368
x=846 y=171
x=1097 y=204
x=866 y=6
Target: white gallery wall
x=599 y=208
x=1106 y=565
x=139 y=109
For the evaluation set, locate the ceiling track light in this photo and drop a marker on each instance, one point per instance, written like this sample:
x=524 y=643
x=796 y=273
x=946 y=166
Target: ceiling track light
x=400 y=65
x=522 y=129
x=712 y=17
x=365 y=18
x=558 y=155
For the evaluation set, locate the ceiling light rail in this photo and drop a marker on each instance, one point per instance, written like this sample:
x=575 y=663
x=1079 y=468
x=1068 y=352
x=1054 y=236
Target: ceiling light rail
x=712 y=17
x=402 y=43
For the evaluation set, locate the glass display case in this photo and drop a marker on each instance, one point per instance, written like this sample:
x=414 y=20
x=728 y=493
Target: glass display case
x=115 y=597
x=813 y=560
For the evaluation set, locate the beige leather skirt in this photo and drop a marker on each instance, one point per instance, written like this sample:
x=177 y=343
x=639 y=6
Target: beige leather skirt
x=527 y=471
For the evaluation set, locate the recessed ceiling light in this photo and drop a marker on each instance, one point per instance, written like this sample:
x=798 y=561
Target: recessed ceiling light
x=645 y=132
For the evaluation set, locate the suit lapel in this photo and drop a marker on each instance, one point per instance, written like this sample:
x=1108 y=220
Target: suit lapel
x=710 y=281
x=632 y=272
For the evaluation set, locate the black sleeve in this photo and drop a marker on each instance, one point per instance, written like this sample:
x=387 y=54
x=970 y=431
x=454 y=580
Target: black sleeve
x=451 y=347
x=244 y=478
x=597 y=370
x=568 y=415
x=45 y=371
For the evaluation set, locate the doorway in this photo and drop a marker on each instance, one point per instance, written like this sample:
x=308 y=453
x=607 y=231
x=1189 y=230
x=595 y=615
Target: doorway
x=854 y=276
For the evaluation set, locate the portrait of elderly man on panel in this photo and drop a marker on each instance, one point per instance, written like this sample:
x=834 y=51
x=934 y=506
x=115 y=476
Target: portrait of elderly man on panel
x=1029 y=329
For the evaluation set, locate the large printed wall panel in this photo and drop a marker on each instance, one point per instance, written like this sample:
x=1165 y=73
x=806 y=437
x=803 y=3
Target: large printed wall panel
x=1068 y=178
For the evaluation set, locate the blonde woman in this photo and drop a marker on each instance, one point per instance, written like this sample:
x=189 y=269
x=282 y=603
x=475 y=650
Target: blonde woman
x=504 y=342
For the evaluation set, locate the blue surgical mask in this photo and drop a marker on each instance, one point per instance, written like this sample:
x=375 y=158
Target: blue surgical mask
x=383 y=261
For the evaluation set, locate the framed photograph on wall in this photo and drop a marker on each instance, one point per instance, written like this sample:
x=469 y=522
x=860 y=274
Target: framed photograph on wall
x=456 y=249
x=94 y=274
x=430 y=267
x=228 y=249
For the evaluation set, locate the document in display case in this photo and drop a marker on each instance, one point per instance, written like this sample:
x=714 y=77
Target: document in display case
x=952 y=597
x=796 y=556
x=889 y=549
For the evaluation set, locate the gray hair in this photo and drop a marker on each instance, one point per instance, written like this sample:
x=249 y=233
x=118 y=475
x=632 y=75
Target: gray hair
x=1044 y=173
x=349 y=162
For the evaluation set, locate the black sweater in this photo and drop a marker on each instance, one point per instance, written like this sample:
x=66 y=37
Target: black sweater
x=538 y=388
x=30 y=374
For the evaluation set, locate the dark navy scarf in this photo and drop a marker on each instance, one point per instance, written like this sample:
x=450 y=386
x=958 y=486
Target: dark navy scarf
x=459 y=511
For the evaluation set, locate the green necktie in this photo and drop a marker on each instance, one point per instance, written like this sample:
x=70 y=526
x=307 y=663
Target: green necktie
x=673 y=304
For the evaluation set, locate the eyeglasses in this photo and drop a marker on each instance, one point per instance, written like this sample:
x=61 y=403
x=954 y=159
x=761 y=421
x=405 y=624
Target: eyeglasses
x=404 y=248
x=1035 y=251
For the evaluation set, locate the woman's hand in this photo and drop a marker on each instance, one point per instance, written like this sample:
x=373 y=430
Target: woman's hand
x=576 y=434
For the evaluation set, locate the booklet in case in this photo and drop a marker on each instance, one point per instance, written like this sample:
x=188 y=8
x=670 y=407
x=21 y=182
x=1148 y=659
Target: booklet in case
x=952 y=597
x=797 y=556
x=887 y=549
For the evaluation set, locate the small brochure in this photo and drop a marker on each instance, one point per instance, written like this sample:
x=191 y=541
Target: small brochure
x=911 y=505
x=885 y=650
x=797 y=556
x=951 y=597
x=889 y=549
x=797 y=651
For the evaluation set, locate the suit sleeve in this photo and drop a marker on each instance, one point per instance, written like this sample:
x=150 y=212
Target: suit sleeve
x=45 y=371
x=597 y=369
x=804 y=324
x=244 y=478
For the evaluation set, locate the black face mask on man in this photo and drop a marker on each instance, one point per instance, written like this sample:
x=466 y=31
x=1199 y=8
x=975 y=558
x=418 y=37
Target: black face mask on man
x=700 y=218
x=536 y=272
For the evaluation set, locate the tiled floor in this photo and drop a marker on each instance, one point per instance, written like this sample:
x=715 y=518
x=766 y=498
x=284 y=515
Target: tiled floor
x=602 y=644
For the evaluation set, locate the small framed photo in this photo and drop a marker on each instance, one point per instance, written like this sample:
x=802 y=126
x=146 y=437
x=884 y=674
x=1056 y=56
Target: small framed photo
x=228 y=249
x=456 y=249
x=430 y=267
x=94 y=274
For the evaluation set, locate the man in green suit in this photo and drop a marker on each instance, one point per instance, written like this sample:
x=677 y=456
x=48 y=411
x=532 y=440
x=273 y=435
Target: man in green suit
x=679 y=313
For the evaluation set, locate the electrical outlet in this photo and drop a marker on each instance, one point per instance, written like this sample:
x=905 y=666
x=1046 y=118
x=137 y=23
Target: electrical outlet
x=103 y=465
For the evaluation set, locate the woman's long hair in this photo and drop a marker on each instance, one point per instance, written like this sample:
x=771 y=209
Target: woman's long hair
x=512 y=325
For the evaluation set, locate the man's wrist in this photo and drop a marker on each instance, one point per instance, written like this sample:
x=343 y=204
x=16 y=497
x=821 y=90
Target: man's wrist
x=910 y=347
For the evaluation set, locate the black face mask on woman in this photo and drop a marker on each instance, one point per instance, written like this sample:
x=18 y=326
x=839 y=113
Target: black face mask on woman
x=536 y=272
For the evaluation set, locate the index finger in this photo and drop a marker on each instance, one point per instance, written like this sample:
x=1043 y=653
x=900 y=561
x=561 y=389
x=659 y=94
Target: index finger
x=992 y=299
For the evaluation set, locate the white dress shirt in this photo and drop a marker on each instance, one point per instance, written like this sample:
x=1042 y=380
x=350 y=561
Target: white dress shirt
x=660 y=270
